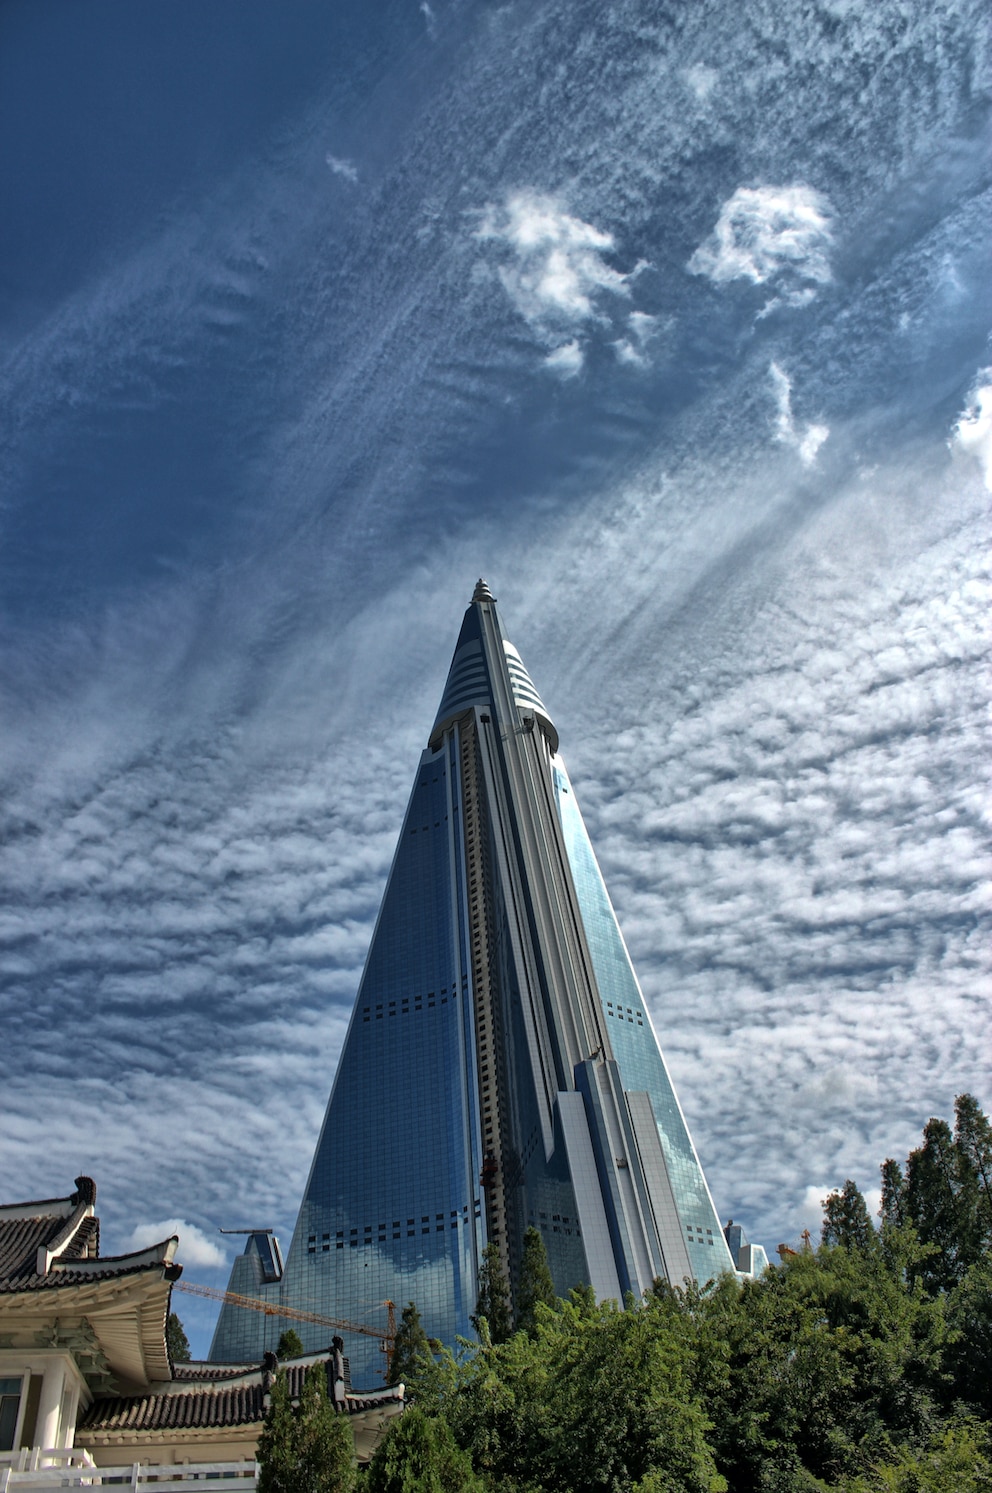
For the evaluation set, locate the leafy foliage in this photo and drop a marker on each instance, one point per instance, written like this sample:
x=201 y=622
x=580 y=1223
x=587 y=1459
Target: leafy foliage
x=176 y=1340
x=410 y=1347
x=419 y=1455
x=494 y=1297
x=862 y=1367
x=305 y=1448
x=946 y=1194
x=290 y=1345
x=595 y=1397
x=865 y=1367
x=536 y=1285
x=846 y=1221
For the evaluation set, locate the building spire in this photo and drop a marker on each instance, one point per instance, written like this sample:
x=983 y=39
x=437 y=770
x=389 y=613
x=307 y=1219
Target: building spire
x=482 y=592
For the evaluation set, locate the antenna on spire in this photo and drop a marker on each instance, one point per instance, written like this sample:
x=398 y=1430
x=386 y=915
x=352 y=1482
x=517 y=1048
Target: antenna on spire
x=482 y=592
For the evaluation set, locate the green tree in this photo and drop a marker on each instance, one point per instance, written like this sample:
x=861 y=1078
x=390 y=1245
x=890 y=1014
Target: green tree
x=176 y=1340
x=969 y=1353
x=411 y=1347
x=419 y=1455
x=597 y=1397
x=305 y=1448
x=493 y=1302
x=831 y=1356
x=933 y=1205
x=536 y=1285
x=973 y=1143
x=290 y=1345
x=954 y=1460
x=893 y=1194
x=277 y=1440
x=846 y=1221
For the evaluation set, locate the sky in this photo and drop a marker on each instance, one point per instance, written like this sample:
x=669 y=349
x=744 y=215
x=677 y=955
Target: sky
x=672 y=322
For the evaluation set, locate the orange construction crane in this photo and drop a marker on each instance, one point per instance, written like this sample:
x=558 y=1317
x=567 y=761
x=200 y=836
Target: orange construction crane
x=386 y=1335
x=787 y=1252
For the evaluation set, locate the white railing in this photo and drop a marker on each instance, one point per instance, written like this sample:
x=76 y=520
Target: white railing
x=29 y=1458
x=75 y=1469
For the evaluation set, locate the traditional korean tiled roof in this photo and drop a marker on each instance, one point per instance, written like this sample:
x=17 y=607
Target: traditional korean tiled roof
x=56 y=1242
x=215 y=1403
x=201 y=1368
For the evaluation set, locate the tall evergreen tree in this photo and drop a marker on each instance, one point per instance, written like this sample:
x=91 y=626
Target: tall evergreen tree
x=277 y=1441
x=932 y=1204
x=494 y=1296
x=893 y=1194
x=973 y=1143
x=536 y=1284
x=947 y=1194
x=410 y=1347
x=290 y=1344
x=306 y=1449
x=176 y=1340
x=845 y=1219
x=419 y=1455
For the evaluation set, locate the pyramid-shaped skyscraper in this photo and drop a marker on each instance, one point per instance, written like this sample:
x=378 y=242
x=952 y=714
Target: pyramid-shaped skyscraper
x=500 y=1069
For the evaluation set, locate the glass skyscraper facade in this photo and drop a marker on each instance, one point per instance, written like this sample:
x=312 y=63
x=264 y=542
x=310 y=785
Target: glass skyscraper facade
x=500 y=1069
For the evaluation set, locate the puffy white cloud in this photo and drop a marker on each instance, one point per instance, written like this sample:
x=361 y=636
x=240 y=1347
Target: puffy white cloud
x=771 y=234
x=806 y=442
x=194 y=1246
x=553 y=269
x=973 y=432
x=567 y=359
x=342 y=167
x=641 y=330
x=702 y=80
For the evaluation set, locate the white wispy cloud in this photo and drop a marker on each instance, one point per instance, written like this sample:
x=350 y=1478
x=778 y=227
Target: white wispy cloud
x=554 y=270
x=641 y=330
x=702 y=80
x=796 y=836
x=766 y=235
x=771 y=692
x=807 y=441
x=566 y=360
x=341 y=167
x=194 y=1246
x=972 y=434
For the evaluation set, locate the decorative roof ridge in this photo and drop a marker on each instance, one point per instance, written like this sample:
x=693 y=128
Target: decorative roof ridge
x=43 y=1208
x=194 y=1369
x=386 y=1395
x=161 y=1254
x=84 y=1204
x=232 y=1402
x=249 y=1373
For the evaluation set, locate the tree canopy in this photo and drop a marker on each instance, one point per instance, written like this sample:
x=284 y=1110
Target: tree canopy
x=176 y=1340
x=864 y=1366
x=304 y=1448
x=410 y=1345
x=290 y=1345
x=493 y=1304
x=536 y=1286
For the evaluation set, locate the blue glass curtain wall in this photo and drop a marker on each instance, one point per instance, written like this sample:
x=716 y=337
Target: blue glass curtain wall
x=635 y=1046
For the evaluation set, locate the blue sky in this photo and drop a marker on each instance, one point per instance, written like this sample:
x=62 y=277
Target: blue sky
x=673 y=323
